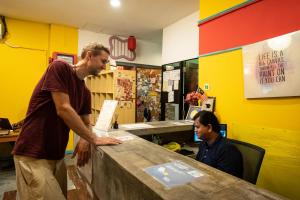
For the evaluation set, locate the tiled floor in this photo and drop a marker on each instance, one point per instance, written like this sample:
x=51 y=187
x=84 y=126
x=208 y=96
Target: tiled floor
x=7 y=181
x=76 y=188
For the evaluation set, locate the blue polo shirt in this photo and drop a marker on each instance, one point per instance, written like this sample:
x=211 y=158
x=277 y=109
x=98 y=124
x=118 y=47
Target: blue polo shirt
x=221 y=155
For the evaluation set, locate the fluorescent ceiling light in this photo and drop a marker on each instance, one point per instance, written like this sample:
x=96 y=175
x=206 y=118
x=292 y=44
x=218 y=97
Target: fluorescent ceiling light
x=115 y=3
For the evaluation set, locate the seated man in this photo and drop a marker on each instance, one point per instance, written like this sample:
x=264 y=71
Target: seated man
x=215 y=150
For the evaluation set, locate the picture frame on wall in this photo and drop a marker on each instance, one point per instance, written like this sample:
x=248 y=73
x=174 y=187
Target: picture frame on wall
x=69 y=58
x=272 y=67
x=193 y=110
x=209 y=104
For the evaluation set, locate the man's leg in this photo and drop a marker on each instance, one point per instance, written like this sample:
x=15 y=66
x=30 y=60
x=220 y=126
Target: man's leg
x=61 y=176
x=35 y=179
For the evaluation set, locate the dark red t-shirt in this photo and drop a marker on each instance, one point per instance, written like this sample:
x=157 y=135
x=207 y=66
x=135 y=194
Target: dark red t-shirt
x=44 y=134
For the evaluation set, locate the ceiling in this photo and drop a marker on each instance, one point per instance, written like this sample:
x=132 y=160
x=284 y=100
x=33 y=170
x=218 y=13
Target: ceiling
x=144 y=19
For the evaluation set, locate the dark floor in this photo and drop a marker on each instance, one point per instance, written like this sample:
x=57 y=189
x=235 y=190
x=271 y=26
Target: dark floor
x=76 y=188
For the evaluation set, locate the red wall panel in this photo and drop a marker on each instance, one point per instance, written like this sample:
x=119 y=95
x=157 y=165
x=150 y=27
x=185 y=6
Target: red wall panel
x=259 y=21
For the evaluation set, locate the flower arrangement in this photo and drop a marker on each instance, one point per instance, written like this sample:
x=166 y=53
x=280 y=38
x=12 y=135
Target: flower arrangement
x=194 y=97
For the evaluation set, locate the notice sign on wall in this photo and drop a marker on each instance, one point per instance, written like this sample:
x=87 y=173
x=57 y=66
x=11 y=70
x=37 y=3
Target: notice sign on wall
x=272 y=67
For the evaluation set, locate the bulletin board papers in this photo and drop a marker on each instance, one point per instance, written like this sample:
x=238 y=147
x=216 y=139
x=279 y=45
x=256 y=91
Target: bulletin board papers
x=175 y=75
x=170 y=85
x=166 y=75
x=173 y=174
x=176 y=85
x=171 y=96
x=165 y=86
x=106 y=115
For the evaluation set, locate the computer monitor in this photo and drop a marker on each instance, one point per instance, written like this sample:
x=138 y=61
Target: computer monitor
x=223 y=133
x=223 y=130
x=5 y=124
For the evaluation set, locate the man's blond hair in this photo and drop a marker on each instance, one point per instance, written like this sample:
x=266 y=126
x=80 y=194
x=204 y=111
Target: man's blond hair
x=95 y=48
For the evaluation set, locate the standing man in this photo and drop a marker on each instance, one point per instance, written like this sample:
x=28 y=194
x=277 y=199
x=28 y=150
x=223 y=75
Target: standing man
x=59 y=102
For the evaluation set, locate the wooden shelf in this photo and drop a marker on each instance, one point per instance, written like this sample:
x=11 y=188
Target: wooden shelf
x=109 y=96
x=104 y=87
x=93 y=100
x=102 y=98
x=97 y=101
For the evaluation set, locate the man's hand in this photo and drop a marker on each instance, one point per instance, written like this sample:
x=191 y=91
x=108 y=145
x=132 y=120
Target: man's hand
x=83 y=151
x=100 y=141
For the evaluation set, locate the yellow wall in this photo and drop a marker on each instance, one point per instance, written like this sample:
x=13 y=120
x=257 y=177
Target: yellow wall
x=22 y=67
x=64 y=39
x=273 y=123
x=212 y=7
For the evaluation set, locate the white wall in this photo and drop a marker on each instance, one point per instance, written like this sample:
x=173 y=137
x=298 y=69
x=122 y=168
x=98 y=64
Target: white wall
x=181 y=40
x=147 y=53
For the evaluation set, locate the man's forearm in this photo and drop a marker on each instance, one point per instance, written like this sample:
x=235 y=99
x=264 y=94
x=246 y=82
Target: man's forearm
x=73 y=120
x=89 y=127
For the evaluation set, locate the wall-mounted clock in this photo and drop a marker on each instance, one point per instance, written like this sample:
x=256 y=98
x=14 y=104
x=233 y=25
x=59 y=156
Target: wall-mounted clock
x=3 y=29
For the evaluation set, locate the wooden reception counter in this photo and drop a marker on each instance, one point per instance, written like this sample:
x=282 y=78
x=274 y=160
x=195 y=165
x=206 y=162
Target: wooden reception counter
x=117 y=172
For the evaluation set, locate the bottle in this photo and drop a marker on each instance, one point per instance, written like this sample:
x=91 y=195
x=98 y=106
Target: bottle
x=116 y=125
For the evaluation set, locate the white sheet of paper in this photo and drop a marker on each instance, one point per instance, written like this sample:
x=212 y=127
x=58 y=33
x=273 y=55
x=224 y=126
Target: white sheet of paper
x=166 y=75
x=106 y=115
x=170 y=85
x=176 y=74
x=171 y=96
x=100 y=133
x=135 y=126
x=176 y=85
x=165 y=86
x=178 y=123
x=125 y=137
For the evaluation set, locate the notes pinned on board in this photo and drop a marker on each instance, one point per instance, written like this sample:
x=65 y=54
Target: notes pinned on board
x=171 y=96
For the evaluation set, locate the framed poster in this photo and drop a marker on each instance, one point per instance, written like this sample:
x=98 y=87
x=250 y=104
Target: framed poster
x=193 y=110
x=209 y=104
x=172 y=111
x=69 y=58
x=272 y=67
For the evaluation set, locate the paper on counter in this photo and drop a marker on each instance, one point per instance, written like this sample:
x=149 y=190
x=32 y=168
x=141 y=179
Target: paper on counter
x=136 y=126
x=174 y=173
x=124 y=138
x=178 y=123
x=100 y=133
